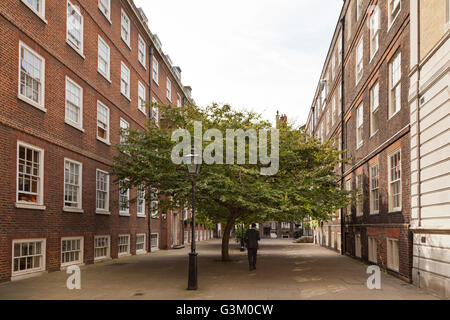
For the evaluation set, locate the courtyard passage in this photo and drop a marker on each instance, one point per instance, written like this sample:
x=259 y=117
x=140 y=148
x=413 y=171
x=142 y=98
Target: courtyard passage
x=285 y=271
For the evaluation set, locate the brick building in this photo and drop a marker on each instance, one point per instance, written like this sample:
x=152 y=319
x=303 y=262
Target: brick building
x=75 y=72
x=361 y=105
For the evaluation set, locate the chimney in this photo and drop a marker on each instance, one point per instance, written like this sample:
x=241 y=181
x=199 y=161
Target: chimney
x=143 y=16
x=168 y=59
x=177 y=71
x=188 y=91
x=158 y=43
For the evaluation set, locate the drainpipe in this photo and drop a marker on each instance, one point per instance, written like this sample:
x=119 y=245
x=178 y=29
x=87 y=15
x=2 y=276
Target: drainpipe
x=419 y=202
x=343 y=245
x=149 y=216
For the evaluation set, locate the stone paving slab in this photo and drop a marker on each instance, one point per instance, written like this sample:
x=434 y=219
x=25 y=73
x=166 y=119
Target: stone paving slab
x=286 y=271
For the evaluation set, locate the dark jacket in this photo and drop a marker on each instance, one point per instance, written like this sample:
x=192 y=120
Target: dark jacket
x=251 y=239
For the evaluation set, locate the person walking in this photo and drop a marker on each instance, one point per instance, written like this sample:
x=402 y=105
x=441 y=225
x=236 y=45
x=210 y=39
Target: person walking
x=251 y=239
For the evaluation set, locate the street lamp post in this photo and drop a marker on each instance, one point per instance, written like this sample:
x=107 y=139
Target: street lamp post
x=193 y=163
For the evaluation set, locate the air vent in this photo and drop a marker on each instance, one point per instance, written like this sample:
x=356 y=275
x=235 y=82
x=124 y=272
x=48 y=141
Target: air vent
x=422 y=100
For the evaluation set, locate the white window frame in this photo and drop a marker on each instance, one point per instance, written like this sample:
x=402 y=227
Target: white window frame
x=127 y=93
x=155 y=113
x=73 y=45
x=179 y=101
x=127 y=41
x=107 y=75
x=39 y=204
x=374 y=188
x=81 y=254
x=394 y=87
x=359 y=126
x=169 y=89
x=123 y=124
x=127 y=211
x=155 y=70
x=391 y=19
x=43 y=259
x=78 y=125
x=359 y=195
x=41 y=10
x=102 y=8
x=333 y=111
x=102 y=105
x=41 y=104
x=154 y=248
x=447 y=15
x=142 y=99
x=121 y=254
x=106 y=209
x=374 y=108
x=141 y=251
x=108 y=248
x=374 y=32
x=393 y=259
x=372 y=249
x=139 y=199
x=348 y=187
x=359 y=60
x=142 y=53
x=79 y=206
x=390 y=182
x=154 y=193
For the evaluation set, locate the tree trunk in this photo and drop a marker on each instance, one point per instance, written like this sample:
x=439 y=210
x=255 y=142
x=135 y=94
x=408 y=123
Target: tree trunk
x=226 y=237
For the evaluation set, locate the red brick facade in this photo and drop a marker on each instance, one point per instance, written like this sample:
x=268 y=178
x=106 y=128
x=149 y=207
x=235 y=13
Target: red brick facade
x=48 y=130
x=392 y=135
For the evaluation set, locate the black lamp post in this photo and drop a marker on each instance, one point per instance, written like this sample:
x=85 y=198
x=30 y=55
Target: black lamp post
x=193 y=163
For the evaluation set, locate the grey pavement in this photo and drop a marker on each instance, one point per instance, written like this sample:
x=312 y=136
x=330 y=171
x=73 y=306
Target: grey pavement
x=285 y=271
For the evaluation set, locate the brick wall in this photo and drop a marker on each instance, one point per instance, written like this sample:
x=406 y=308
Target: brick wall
x=19 y=121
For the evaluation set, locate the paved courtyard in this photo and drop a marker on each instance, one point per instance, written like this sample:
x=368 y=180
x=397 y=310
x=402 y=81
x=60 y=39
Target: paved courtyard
x=285 y=271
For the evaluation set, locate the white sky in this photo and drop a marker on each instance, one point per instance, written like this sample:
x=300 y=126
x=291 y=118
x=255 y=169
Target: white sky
x=262 y=55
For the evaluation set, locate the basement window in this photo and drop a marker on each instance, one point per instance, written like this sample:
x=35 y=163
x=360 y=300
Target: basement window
x=392 y=254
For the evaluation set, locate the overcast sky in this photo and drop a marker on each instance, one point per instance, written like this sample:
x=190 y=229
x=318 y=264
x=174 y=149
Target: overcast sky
x=263 y=55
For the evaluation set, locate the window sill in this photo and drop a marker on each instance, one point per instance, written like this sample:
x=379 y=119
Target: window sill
x=35 y=12
x=359 y=147
x=67 y=265
x=73 y=210
x=143 y=65
x=74 y=125
x=106 y=17
x=124 y=214
x=394 y=211
x=102 y=212
x=156 y=82
x=374 y=213
x=373 y=134
x=123 y=255
x=107 y=78
x=127 y=43
x=143 y=112
x=128 y=98
x=80 y=53
x=393 y=115
x=26 y=275
x=20 y=205
x=141 y=216
x=31 y=102
x=141 y=252
x=104 y=141
x=102 y=259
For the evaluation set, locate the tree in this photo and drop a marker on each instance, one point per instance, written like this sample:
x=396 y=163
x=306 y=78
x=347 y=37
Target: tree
x=305 y=184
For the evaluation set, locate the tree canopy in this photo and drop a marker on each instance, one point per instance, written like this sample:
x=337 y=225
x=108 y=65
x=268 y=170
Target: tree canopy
x=305 y=184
